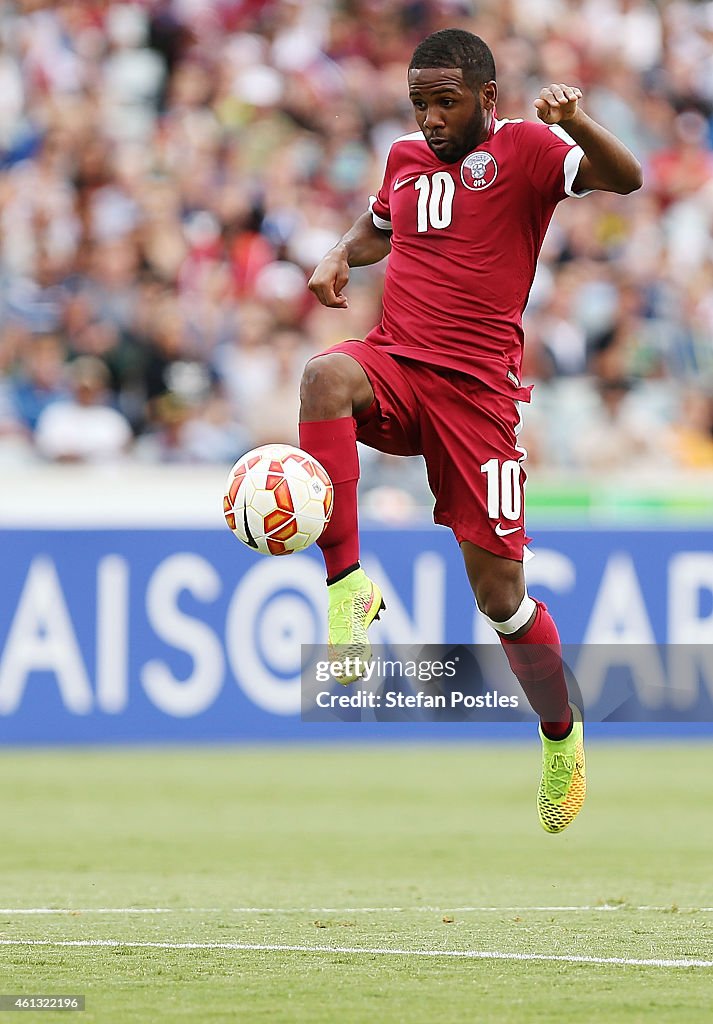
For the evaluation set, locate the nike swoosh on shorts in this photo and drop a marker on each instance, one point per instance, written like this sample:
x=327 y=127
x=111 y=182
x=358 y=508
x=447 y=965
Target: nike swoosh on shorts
x=503 y=533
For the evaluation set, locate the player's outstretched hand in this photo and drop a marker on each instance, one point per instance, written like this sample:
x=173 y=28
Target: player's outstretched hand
x=329 y=279
x=557 y=103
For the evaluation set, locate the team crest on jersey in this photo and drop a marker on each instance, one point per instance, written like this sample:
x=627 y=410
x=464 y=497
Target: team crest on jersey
x=478 y=171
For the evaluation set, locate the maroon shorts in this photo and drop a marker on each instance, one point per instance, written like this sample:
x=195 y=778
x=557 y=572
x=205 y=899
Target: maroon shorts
x=467 y=434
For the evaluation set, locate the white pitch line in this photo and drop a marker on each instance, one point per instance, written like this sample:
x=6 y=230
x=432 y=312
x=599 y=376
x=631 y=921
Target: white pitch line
x=110 y=910
x=593 y=908
x=463 y=954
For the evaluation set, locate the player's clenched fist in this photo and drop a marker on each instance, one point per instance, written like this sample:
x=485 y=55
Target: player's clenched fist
x=557 y=103
x=329 y=278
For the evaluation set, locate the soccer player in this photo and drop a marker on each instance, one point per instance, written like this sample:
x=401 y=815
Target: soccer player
x=462 y=212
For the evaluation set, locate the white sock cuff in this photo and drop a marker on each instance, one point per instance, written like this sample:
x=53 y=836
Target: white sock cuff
x=516 y=621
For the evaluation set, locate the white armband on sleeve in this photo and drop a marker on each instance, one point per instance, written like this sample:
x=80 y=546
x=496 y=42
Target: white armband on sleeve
x=571 y=166
x=379 y=222
x=572 y=160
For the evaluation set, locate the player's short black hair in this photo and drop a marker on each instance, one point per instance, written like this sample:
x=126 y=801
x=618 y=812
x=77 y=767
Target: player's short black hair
x=456 y=48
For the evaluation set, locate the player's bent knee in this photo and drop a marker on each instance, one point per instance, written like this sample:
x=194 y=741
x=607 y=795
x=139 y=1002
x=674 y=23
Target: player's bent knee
x=320 y=373
x=499 y=595
x=324 y=390
x=331 y=384
x=507 y=614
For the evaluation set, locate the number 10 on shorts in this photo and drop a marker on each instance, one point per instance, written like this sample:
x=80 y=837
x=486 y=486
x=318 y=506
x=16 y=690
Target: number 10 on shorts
x=504 y=492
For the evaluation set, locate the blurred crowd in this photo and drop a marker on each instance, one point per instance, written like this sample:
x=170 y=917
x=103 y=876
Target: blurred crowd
x=172 y=170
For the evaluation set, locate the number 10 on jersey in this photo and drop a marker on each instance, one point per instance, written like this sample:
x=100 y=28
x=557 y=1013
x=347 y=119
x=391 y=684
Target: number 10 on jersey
x=435 y=200
x=504 y=494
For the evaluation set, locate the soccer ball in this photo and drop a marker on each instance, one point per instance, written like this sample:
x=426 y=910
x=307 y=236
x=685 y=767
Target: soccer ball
x=278 y=499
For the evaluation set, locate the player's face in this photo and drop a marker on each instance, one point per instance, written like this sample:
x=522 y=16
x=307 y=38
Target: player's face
x=453 y=119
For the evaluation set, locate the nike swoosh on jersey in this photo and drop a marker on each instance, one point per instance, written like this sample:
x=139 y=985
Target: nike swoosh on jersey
x=503 y=533
x=403 y=181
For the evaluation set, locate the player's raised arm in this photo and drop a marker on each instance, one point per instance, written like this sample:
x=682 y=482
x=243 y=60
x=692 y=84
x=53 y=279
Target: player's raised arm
x=607 y=164
x=362 y=245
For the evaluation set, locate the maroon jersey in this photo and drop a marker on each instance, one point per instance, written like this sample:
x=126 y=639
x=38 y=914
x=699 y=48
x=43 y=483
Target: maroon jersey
x=465 y=242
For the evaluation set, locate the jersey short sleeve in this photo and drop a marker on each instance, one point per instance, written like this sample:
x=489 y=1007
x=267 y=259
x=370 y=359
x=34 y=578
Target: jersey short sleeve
x=550 y=158
x=379 y=204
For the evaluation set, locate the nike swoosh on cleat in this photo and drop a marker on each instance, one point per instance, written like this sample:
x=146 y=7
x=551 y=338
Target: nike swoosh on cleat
x=367 y=607
x=403 y=181
x=503 y=533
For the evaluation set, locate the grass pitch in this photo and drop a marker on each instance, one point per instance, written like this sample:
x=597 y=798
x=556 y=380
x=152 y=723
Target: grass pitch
x=418 y=849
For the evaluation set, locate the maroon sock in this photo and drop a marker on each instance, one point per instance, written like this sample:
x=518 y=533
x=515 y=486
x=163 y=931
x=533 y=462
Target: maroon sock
x=536 y=660
x=333 y=443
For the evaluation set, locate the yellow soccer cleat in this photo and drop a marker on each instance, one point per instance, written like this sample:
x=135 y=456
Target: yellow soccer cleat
x=563 y=785
x=354 y=603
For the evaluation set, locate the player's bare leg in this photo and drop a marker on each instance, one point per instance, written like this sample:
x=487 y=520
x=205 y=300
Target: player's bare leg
x=531 y=642
x=333 y=385
x=334 y=388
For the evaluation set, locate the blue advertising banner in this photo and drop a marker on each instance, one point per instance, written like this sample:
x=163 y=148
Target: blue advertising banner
x=155 y=635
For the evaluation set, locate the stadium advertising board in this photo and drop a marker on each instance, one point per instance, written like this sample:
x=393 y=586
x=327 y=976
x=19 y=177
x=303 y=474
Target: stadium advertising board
x=149 y=635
